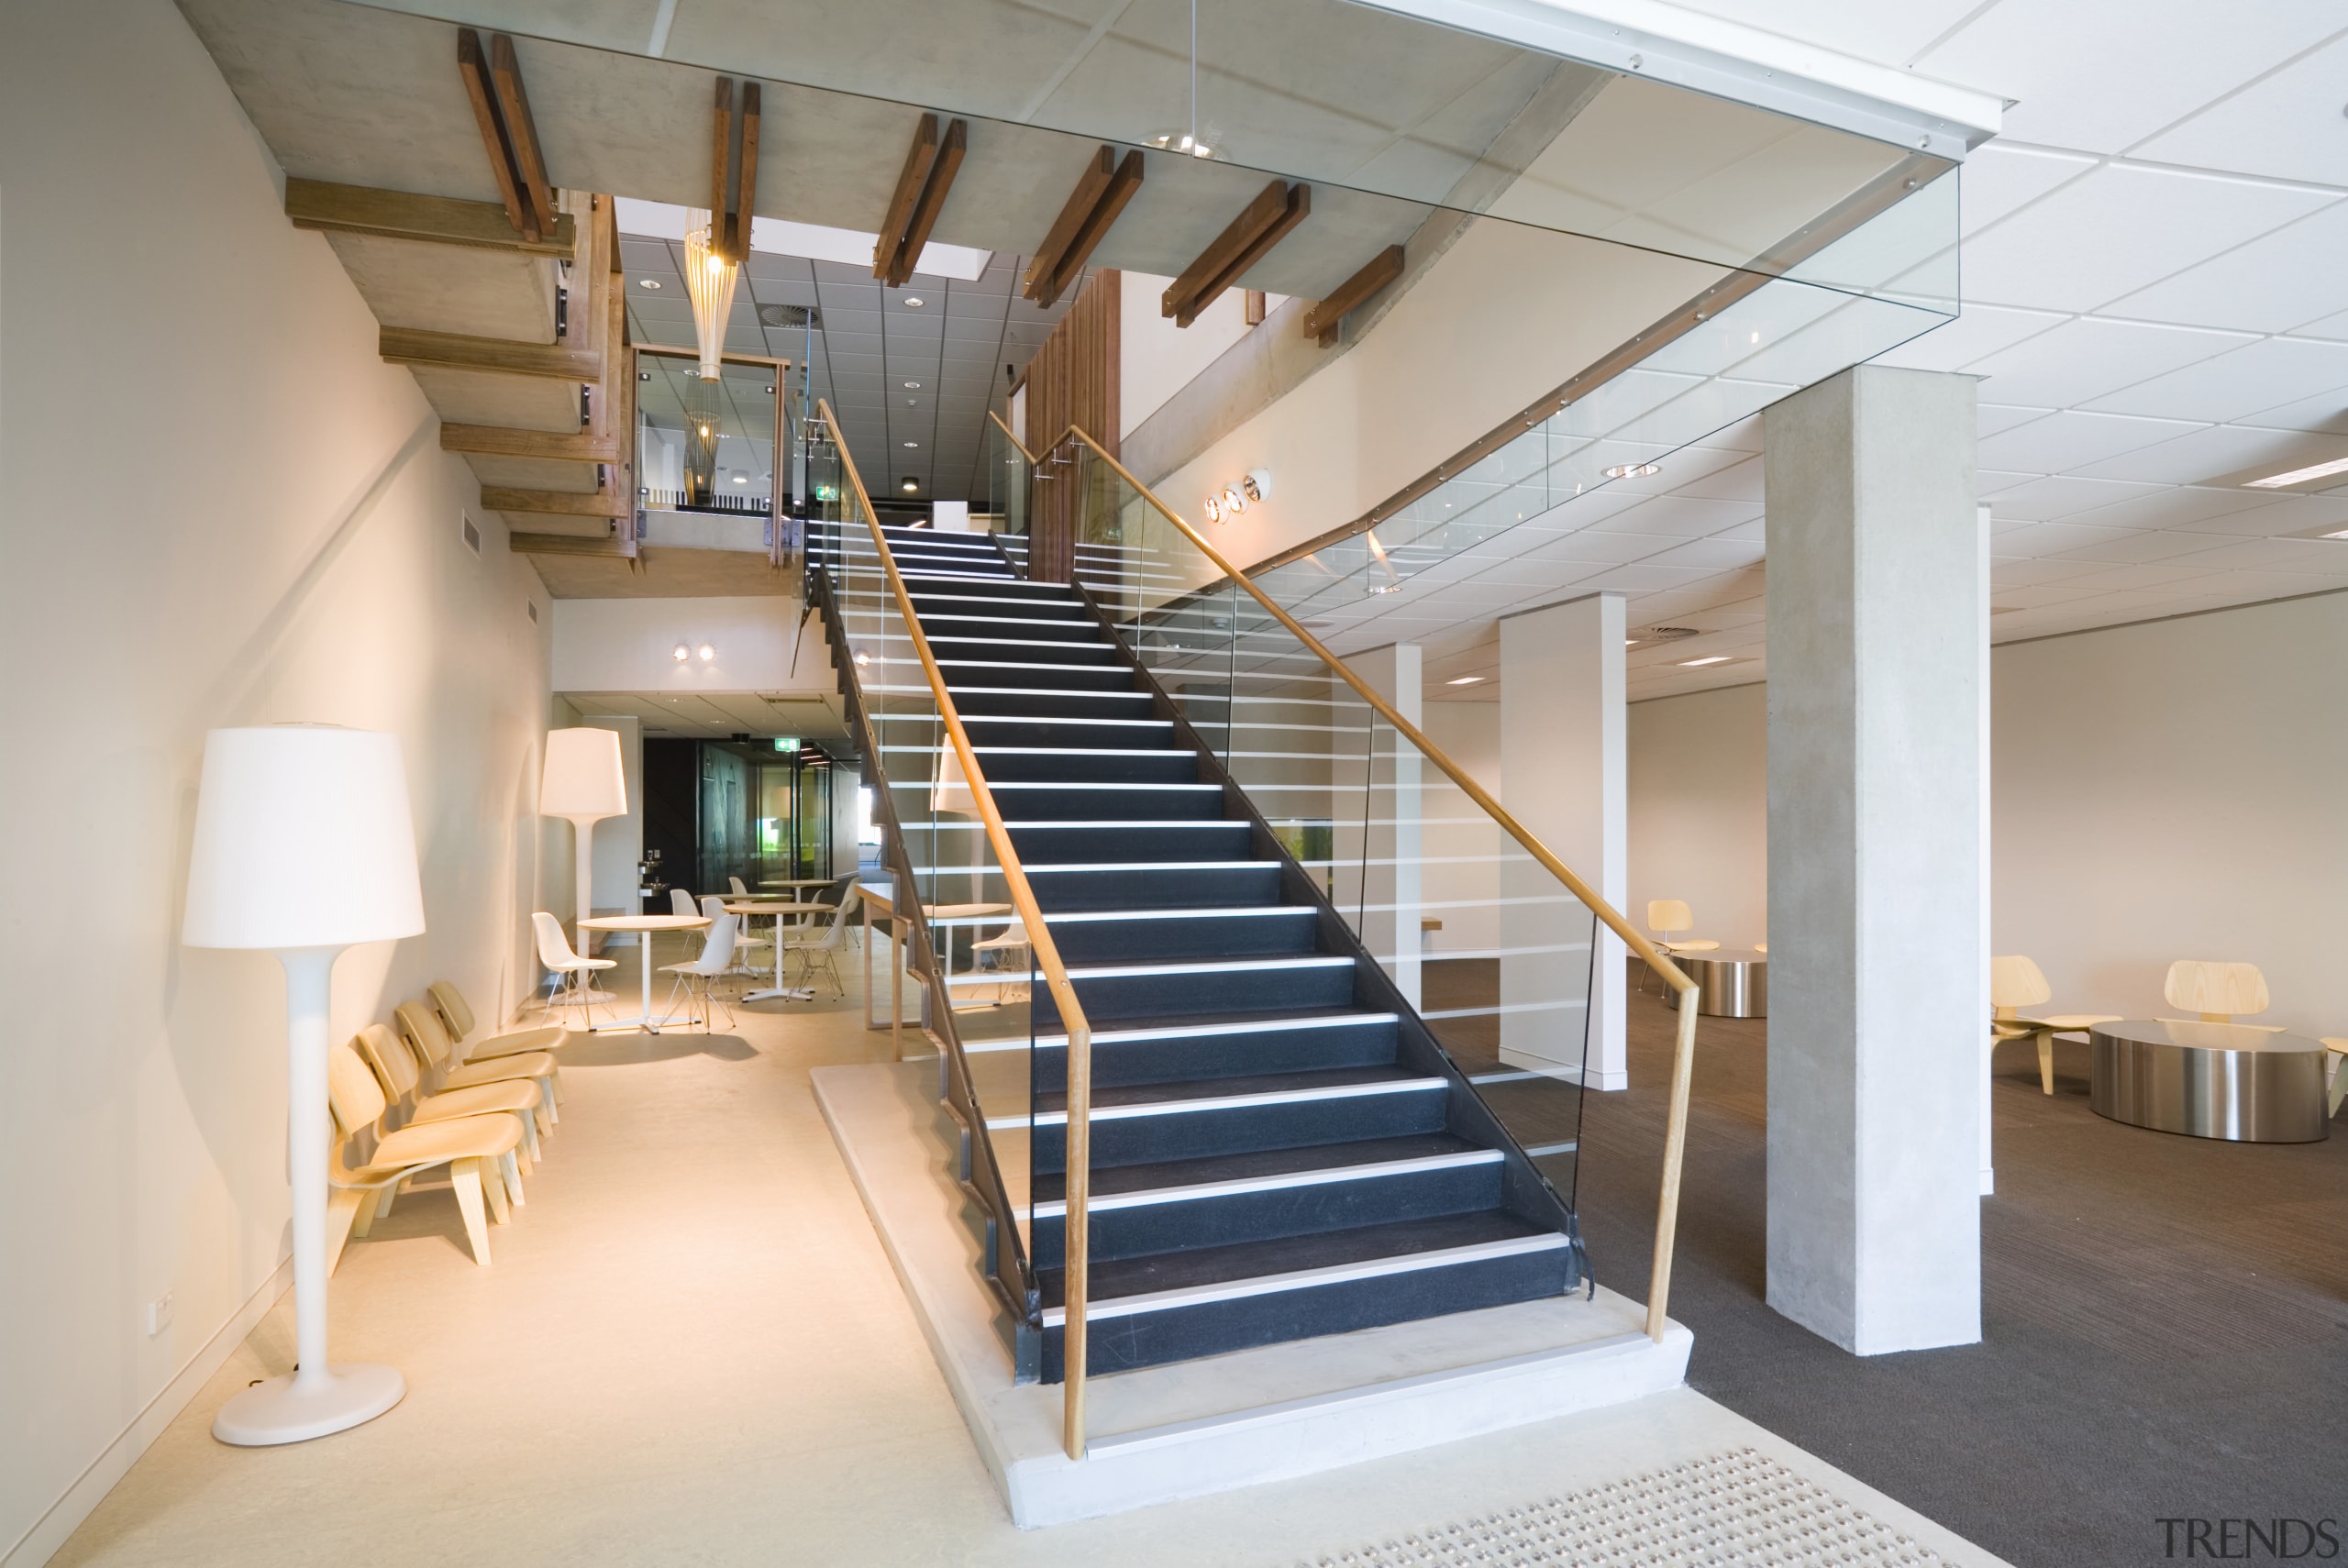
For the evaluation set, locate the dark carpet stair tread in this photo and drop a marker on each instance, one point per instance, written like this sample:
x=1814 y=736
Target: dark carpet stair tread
x=1187 y=1090
x=1052 y=1188
x=1110 y=1279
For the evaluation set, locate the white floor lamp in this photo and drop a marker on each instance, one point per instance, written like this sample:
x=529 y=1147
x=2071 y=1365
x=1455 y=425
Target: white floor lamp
x=303 y=846
x=583 y=781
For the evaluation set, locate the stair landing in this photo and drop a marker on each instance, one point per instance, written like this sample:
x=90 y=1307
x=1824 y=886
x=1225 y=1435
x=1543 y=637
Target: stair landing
x=1197 y=1427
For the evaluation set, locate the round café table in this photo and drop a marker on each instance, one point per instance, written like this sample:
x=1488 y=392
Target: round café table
x=1730 y=982
x=2210 y=1080
x=644 y=925
x=780 y=909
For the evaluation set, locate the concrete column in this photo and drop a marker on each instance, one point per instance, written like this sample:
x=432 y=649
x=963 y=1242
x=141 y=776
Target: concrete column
x=1393 y=902
x=1874 y=860
x=1564 y=775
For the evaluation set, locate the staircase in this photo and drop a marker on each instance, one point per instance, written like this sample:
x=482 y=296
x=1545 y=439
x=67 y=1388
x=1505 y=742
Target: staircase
x=1279 y=1148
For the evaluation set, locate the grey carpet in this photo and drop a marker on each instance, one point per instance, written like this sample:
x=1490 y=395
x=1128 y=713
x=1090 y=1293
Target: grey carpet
x=2166 y=1319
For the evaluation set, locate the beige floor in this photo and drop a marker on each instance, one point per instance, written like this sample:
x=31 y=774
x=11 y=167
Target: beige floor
x=691 y=1349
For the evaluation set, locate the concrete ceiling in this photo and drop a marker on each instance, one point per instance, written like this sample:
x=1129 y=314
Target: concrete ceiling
x=2154 y=297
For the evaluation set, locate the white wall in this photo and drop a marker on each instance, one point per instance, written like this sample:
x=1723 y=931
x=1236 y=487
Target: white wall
x=1462 y=869
x=2164 y=790
x=1699 y=820
x=2173 y=791
x=1157 y=359
x=217 y=506
x=630 y=644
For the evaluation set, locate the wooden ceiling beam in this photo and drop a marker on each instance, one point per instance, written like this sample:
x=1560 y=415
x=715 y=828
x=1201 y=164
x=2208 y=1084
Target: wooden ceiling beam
x=1091 y=208
x=433 y=220
x=921 y=186
x=456 y=351
x=514 y=103
x=1278 y=208
x=492 y=79
x=499 y=441
x=556 y=503
x=1322 y=320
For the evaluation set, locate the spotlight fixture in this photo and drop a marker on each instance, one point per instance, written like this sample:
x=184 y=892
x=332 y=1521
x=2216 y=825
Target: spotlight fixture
x=1464 y=680
x=1180 y=141
x=1633 y=471
x=647 y=282
x=1214 y=508
x=2298 y=476
x=1233 y=498
x=681 y=653
x=707 y=653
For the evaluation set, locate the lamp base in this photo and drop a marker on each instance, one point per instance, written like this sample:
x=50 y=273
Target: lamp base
x=279 y=1412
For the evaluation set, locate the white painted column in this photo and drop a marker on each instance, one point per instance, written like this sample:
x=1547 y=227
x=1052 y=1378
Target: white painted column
x=1564 y=775
x=1988 y=1163
x=1874 y=860
x=1393 y=902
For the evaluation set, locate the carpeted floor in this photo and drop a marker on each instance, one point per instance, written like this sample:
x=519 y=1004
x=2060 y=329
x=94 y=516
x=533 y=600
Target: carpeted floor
x=2166 y=1319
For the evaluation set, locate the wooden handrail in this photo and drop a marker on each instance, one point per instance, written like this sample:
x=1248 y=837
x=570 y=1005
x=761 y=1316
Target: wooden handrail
x=1076 y=1227
x=1684 y=1053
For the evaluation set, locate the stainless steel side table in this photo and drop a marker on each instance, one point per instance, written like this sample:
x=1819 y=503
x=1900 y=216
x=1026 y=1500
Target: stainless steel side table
x=2210 y=1080
x=1730 y=982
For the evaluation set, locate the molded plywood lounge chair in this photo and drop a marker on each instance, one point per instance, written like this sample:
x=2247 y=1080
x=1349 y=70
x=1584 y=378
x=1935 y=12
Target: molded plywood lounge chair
x=1667 y=918
x=478 y=1151
x=2015 y=982
x=457 y=1017
x=397 y=1069
x=2338 y=1046
x=2218 y=990
x=422 y=1028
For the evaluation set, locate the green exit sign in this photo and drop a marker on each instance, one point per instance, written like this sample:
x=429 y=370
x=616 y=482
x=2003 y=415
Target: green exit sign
x=785 y=742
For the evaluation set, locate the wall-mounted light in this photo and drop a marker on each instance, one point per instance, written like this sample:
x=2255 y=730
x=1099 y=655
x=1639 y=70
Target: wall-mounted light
x=862 y=659
x=1233 y=500
x=681 y=653
x=707 y=653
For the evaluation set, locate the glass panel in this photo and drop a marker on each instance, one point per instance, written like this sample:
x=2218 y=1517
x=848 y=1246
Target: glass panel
x=1477 y=936
x=705 y=447
x=999 y=1039
x=1007 y=497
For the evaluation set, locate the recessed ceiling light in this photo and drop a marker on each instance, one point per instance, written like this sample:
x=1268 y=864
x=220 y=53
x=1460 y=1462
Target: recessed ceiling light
x=1464 y=680
x=912 y=443
x=912 y=386
x=909 y=483
x=1633 y=471
x=2299 y=476
x=741 y=479
x=647 y=282
x=913 y=299
x=1699 y=663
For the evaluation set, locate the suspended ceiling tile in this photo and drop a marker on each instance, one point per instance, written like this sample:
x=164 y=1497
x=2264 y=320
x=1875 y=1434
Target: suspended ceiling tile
x=2090 y=358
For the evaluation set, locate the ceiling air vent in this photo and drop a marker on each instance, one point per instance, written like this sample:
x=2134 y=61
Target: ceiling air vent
x=792 y=315
x=1660 y=634
x=468 y=532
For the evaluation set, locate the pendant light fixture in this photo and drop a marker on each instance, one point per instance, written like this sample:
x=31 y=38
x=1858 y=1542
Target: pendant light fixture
x=710 y=278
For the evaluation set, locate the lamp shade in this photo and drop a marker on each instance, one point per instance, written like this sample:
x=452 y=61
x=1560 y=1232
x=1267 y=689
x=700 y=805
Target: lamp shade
x=303 y=839
x=583 y=776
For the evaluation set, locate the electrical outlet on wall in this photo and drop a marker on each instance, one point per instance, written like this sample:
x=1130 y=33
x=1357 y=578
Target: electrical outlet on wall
x=159 y=1314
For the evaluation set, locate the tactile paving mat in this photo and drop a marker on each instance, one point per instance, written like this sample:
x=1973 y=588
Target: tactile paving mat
x=1732 y=1509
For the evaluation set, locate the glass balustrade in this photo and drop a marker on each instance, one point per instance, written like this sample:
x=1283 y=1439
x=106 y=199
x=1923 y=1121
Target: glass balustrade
x=1475 y=933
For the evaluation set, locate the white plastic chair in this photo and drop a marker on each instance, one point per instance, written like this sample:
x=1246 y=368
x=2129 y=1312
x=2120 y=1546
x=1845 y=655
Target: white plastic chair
x=716 y=958
x=555 y=954
x=824 y=950
x=746 y=947
x=741 y=891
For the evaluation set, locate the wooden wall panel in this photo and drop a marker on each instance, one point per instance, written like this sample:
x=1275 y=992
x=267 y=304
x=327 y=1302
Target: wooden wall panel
x=1072 y=380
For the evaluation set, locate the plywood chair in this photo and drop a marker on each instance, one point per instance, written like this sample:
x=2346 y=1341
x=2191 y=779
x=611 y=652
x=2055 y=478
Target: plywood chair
x=2016 y=982
x=478 y=1151
x=402 y=1076
x=1669 y=917
x=2338 y=1046
x=457 y=1017
x=420 y=1025
x=2216 y=989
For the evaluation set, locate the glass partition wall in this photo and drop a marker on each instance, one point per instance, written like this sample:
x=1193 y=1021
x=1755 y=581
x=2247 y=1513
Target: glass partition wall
x=712 y=451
